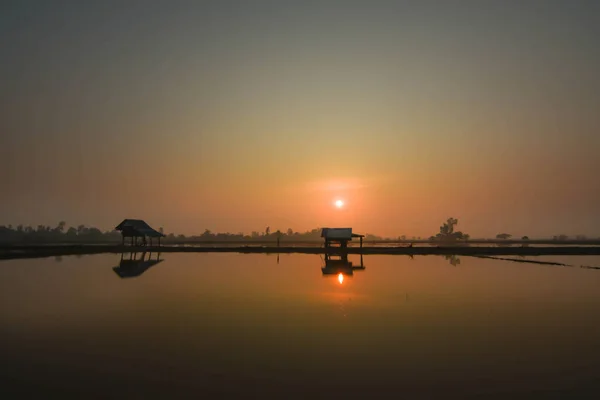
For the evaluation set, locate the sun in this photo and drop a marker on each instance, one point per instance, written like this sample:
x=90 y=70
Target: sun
x=339 y=203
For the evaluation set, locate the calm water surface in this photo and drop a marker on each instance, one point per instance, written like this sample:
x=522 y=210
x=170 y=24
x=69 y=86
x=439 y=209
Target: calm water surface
x=223 y=325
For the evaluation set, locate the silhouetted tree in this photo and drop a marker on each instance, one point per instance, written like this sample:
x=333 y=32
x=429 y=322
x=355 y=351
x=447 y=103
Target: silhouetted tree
x=290 y=232
x=503 y=236
x=372 y=237
x=447 y=232
x=267 y=231
x=94 y=233
x=448 y=228
x=60 y=228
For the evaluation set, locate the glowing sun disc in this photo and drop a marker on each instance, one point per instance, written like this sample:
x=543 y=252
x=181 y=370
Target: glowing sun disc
x=339 y=203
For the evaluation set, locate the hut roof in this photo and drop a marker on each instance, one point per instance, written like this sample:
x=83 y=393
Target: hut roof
x=139 y=227
x=339 y=233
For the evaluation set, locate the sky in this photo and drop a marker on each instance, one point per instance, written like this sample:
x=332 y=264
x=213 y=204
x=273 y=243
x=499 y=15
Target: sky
x=237 y=115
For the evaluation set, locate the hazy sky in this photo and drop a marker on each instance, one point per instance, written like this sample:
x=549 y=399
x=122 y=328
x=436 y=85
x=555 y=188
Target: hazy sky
x=237 y=115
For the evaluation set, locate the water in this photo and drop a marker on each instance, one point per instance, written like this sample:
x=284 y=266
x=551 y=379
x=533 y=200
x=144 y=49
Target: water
x=221 y=325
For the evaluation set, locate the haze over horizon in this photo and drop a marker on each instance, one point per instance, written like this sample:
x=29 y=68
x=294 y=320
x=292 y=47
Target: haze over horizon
x=237 y=115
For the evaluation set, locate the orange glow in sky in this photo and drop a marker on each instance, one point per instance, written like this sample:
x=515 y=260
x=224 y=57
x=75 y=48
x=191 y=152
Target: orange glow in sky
x=386 y=119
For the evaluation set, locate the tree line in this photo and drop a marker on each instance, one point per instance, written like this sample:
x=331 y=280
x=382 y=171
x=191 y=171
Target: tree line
x=268 y=234
x=86 y=234
x=59 y=233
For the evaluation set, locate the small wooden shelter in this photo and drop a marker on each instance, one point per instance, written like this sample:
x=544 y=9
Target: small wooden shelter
x=137 y=228
x=339 y=237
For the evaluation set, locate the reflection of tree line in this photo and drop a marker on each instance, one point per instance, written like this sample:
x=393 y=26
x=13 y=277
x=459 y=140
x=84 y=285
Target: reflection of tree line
x=133 y=266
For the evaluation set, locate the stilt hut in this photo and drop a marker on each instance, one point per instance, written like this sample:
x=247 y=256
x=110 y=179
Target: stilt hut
x=339 y=237
x=138 y=229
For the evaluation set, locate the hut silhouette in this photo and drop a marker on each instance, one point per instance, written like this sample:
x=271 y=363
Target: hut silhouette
x=339 y=237
x=137 y=228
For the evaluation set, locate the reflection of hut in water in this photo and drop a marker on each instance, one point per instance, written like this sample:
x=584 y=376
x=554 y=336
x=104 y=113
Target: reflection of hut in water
x=132 y=266
x=339 y=237
x=339 y=264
